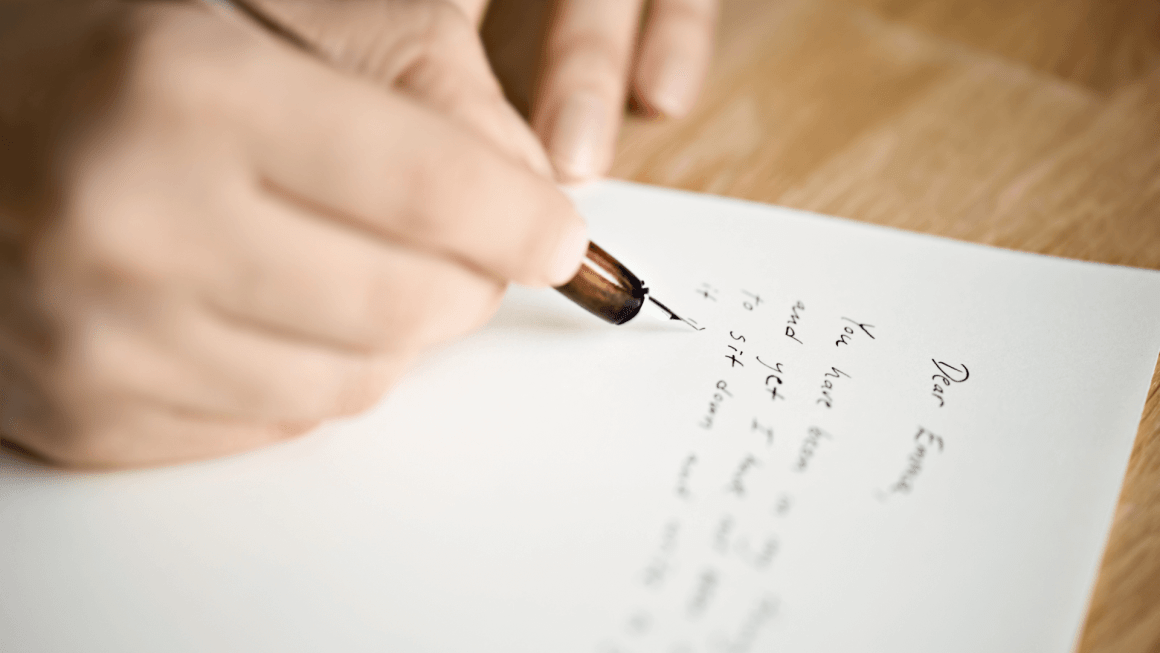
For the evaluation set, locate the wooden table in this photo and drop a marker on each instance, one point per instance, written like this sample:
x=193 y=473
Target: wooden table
x=1026 y=124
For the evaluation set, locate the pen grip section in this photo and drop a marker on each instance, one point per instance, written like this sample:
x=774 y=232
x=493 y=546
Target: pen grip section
x=605 y=288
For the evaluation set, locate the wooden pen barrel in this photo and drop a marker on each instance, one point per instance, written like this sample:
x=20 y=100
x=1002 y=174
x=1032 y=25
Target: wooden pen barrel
x=605 y=288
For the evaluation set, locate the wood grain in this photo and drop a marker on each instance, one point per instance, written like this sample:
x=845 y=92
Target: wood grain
x=1027 y=124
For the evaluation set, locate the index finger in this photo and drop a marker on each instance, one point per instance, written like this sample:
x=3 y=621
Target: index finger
x=382 y=163
x=580 y=101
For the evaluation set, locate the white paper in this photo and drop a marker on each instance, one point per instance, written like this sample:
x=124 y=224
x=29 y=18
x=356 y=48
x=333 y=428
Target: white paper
x=557 y=484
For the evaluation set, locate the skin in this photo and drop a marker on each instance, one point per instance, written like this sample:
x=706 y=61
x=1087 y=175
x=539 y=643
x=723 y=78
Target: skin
x=595 y=54
x=210 y=240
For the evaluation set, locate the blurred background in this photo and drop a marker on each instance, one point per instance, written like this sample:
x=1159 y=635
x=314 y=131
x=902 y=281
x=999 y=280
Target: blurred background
x=1026 y=124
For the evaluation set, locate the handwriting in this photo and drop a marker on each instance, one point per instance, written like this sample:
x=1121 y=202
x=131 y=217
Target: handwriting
x=683 y=477
x=848 y=332
x=773 y=381
x=826 y=399
x=924 y=441
x=794 y=316
x=749 y=631
x=766 y=430
x=660 y=567
x=814 y=436
x=945 y=376
x=784 y=503
x=703 y=592
x=760 y=557
x=737 y=484
x=723 y=535
x=715 y=404
x=708 y=292
x=736 y=352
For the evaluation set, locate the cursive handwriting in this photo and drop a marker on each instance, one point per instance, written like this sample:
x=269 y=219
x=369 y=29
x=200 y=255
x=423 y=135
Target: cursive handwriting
x=946 y=375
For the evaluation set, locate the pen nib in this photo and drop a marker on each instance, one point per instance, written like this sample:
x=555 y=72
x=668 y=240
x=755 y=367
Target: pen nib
x=674 y=316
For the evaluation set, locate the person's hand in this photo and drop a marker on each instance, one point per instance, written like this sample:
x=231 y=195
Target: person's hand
x=595 y=52
x=210 y=240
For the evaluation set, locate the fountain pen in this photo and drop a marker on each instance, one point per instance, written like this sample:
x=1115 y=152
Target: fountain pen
x=602 y=286
x=608 y=290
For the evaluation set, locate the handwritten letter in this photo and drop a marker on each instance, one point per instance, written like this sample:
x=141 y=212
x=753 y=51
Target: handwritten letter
x=861 y=440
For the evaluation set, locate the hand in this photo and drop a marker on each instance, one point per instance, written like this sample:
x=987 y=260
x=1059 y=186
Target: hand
x=592 y=58
x=210 y=241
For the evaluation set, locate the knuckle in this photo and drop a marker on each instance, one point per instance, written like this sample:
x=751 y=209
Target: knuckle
x=441 y=58
x=429 y=31
x=163 y=73
x=444 y=25
x=108 y=241
x=174 y=83
x=699 y=14
x=589 y=50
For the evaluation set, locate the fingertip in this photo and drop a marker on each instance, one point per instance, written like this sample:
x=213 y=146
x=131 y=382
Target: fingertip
x=672 y=88
x=569 y=253
x=576 y=142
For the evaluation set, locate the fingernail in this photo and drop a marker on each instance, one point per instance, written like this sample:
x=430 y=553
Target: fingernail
x=673 y=91
x=577 y=137
x=569 y=254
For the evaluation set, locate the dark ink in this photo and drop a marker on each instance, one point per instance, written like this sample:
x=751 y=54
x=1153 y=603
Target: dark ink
x=924 y=443
x=674 y=316
x=758 y=557
x=827 y=384
x=773 y=381
x=683 y=478
x=723 y=535
x=791 y=323
x=767 y=431
x=749 y=631
x=947 y=374
x=848 y=332
x=784 y=503
x=814 y=437
x=737 y=484
x=715 y=404
x=703 y=592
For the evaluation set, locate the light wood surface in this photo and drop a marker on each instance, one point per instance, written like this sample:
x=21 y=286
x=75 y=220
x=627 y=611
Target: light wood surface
x=1026 y=124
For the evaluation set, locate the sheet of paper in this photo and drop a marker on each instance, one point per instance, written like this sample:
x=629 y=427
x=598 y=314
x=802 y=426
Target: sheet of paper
x=877 y=441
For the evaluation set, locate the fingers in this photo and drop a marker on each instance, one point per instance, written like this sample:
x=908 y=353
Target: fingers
x=174 y=352
x=580 y=101
x=428 y=50
x=291 y=273
x=387 y=166
x=250 y=241
x=142 y=433
x=473 y=9
x=675 y=49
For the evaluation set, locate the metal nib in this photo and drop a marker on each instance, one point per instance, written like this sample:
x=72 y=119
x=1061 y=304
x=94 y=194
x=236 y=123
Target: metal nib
x=666 y=313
